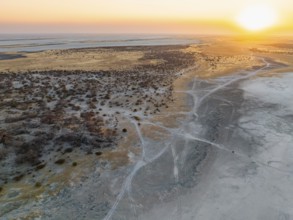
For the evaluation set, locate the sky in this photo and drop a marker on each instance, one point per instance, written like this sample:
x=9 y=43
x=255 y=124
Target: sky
x=133 y=16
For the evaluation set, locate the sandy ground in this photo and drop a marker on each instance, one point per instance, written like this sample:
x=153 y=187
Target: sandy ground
x=74 y=59
x=220 y=150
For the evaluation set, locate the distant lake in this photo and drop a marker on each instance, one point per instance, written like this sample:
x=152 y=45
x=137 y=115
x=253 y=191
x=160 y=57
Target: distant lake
x=30 y=43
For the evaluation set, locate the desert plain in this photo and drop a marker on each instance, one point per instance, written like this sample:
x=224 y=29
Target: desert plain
x=197 y=131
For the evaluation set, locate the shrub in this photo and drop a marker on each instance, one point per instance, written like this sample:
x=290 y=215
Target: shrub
x=60 y=161
x=13 y=104
x=30 y=156
x=40 y=166
x=49 y=119
x=38 y=184
x=3 y=154
x=68 y=150
x=18 y=178
x=99 y=153
x=136 y=118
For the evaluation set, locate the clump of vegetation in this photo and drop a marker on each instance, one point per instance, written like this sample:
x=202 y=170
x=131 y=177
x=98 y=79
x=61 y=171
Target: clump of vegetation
x=3 y=154
x=99 y=153
x=13 y=104
x=60 y=161
x=49 y=119
x=68 y=150
x=75 y=108
x=28 y=153
x=40 y=166
x=136 y=118
x=18 y=178
x=53 y=116
x=38 y=184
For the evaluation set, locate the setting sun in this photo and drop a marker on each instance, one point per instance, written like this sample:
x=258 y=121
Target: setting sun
x=258 y=17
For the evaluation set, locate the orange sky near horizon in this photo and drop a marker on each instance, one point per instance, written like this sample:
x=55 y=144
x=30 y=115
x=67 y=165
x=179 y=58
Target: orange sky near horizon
x=134 y=16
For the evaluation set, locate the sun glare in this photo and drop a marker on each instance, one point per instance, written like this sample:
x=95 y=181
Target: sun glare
x=258 y=17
